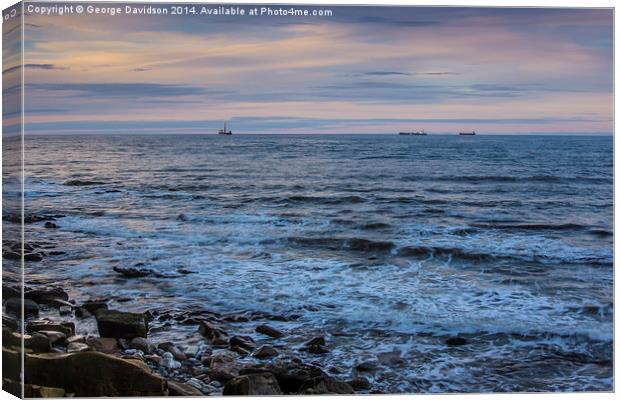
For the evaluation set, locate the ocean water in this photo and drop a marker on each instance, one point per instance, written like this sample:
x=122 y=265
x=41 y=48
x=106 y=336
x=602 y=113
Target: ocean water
x=387 y=245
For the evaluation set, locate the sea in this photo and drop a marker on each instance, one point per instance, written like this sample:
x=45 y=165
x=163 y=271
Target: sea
x=387 y=245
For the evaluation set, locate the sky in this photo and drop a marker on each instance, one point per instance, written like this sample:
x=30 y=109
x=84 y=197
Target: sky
x=362 y=70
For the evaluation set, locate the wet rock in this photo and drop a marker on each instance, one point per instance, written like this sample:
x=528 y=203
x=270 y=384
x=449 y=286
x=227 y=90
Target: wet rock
x=316 y=346
x=181 y=217
x=391 y=358
x=456 y=341
x=94 y=306
x=142 y=344
x=168 y=361
x=216 y=335
x=172 y=349
x=359 y=383
x=46 y=295
x=77 y=347
x=291 y=375
x=224 y=367
x=366 y=366
x=185 y=271
x=325 y=385
x=9 y=322
x=50 y=225
x=120 y=324
x=244 y=342
x=9 y=291
x=264 y=384
x=265 y=352
x=131 y=272
x=182 y=389
x=93 y=374
x=67 y=328
x=13 y=306
x=33 y=257
x=269 y=331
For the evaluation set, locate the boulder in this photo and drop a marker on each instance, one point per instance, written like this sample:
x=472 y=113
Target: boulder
x=68 y=328
x=291 y=375
x=456 y=341
x=11 y=364
x=93 y=374
x=244 y=342
x=38 y=342
x=316 y=346
x=46 y=295
x=216 y=335
x=104 y=345
x=118 y=324
x=269 y=331
x=93 y=306
x=224 y=366
x=325 y=385
x=13 y=306
x=359 y=383
x=131 y=272
x=182 y=389
x=265 y=352
x=264 y=384
x=54 y=337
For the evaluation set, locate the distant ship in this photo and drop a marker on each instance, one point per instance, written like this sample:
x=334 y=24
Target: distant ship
x=472 y=133
x=413 y=133
x=224 y=131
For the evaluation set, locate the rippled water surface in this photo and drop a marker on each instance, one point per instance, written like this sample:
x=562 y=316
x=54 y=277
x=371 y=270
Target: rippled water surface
x=388 y=245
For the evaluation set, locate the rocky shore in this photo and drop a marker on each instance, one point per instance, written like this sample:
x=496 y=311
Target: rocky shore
x=122 y=360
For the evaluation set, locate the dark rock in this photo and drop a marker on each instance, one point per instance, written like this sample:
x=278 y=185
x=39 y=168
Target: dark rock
x=118 y=324
x=181 y=217
x=11 y=255
x=359 y=383
x=94 y=306
x=14 y=306
x=456 y=341
x=216 y=335
x=366 y=366
x=54 y=337
x=224 y=367
x=244 y=342
x=182 y=389
x=93 y=374
x=42 y=295
x=50 y=225
x=325 y=385
x=38 y=342
x=265 y=352
x=67 y=328
x=264 y=384
x=33 y=257
x=131 y=272
x=316 y=346
x=9 y=322
x=291 y=376
x=184 y=271
x=269 y=331
x=11 y=291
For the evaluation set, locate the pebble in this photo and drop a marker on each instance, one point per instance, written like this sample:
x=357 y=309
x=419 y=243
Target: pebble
x=169 y=362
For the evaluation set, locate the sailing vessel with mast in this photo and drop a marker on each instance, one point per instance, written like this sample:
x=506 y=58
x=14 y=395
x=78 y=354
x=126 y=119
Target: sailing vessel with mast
x=224 y=131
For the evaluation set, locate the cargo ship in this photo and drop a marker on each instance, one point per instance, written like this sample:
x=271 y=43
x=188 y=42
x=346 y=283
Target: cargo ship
x=472 y=133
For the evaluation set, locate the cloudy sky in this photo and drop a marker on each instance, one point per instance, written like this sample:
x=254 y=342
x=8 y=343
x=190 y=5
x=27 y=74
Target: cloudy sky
x=363 y=70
